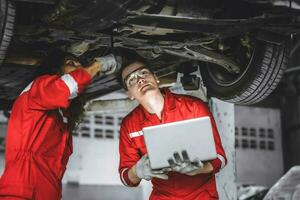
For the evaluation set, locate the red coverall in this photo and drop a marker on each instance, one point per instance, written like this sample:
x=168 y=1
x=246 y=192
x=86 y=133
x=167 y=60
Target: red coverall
x=38 y=143
x=132 y=147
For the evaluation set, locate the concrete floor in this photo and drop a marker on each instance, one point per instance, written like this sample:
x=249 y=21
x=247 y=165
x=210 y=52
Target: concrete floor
x=101 y=192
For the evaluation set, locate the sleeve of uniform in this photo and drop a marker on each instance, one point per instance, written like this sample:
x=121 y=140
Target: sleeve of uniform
x=128 y=156
x=202 y=110
x=52 y=91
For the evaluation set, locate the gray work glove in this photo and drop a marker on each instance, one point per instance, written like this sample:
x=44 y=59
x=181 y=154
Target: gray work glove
x=144 y=171
x=182 y=164
x=110 y=63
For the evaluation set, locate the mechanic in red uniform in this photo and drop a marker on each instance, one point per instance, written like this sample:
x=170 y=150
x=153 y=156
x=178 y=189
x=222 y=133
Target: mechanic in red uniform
x=188 y=180
x=39 y=142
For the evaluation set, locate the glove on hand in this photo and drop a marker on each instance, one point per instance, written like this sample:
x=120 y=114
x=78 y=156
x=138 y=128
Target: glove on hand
x=184 y=165
x=110 y=63
x=144 y=171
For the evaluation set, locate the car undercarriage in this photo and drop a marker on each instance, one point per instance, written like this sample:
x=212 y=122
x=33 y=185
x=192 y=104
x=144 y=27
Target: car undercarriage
x=241 y=47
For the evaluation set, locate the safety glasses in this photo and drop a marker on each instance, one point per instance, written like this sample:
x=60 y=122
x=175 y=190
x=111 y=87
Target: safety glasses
x=132 y=79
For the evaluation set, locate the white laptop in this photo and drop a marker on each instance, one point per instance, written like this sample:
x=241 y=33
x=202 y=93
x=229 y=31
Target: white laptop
x=193 y=135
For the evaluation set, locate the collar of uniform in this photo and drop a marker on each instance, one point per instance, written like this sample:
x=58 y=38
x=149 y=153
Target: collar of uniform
x=169 y=105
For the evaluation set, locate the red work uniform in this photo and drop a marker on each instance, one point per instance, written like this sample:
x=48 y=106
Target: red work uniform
x=38 y=144
x=132 y=147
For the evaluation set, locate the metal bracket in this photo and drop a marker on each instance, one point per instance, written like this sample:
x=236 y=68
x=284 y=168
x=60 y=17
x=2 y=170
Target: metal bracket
x=50 y=2
x=206 y=56
x=201 y=92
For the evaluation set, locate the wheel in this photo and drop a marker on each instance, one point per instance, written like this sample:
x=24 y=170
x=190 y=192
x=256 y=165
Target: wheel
x=258 y=77
x=7 y=18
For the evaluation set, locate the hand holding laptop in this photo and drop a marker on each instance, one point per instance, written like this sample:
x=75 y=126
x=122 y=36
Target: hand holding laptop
x=194 y=136
x=182 y=164
x=144 y=171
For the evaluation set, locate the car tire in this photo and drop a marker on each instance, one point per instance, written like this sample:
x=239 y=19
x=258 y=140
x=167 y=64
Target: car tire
x=7 y=18
x=253 y=84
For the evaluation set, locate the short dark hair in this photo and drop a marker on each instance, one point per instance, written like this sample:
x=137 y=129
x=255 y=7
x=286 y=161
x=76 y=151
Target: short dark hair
x=128 y=60
x=53 y=61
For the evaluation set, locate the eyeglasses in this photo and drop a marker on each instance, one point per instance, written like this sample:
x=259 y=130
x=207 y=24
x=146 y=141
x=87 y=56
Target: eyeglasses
x=132 y=79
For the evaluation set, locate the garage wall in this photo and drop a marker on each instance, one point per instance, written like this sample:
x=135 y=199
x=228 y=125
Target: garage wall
x=223 y=113
x=258 y=143
x=95 y=157
x=92 y=170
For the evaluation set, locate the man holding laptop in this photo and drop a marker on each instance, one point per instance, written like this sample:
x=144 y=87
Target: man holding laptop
x=184 y=179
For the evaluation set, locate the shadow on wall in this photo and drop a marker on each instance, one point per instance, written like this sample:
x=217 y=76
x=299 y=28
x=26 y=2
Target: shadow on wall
x=3 y=127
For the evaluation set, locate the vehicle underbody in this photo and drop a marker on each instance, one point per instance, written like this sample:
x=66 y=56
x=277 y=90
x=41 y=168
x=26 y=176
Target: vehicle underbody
x=241 y=47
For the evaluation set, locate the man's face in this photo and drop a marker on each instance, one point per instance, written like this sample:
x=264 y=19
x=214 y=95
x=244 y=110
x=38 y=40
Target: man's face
x=139 y=81
x=70 y=65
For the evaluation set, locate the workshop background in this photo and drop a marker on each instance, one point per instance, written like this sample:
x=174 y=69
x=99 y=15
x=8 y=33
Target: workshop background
x=237 y=50
x=261 y=142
